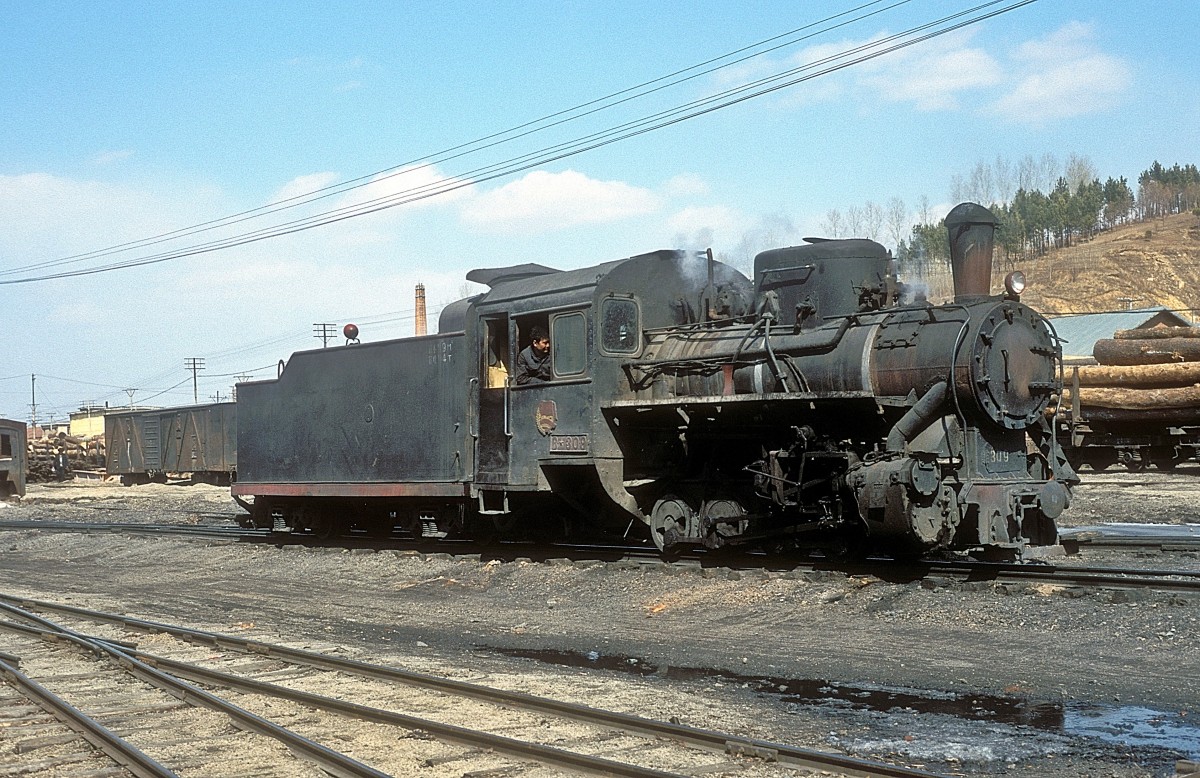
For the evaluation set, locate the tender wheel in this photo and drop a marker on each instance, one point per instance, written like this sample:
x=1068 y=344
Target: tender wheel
x=321 y=526
x=669 y=521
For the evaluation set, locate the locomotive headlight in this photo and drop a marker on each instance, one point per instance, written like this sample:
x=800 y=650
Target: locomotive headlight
x=1014 y=283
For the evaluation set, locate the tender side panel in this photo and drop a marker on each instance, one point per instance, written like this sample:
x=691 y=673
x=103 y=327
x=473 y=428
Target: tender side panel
x=390 y=412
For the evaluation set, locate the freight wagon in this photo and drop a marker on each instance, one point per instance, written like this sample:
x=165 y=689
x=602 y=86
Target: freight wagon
x=197 y=441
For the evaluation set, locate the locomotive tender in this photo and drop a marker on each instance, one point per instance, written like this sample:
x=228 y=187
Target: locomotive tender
x=805 y=408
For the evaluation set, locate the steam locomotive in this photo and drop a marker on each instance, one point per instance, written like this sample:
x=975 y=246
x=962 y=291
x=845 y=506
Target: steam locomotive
x=809 y=407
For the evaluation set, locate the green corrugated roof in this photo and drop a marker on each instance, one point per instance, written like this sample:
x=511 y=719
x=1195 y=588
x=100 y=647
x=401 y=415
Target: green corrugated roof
x=1081 y=331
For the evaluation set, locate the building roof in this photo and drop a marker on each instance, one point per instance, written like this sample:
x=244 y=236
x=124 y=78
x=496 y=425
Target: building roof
x=1080 y=332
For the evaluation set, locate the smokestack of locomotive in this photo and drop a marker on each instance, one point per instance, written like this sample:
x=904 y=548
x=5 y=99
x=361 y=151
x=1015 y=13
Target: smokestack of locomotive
x=972 y=230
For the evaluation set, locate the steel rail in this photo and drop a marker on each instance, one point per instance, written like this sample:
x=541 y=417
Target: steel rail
x=119 y=750
x=700 y=738
x=135 y=529
x=543 y=754
x=332 y=762
x=447 y=732
x=1109 y=577
x=1169 y=580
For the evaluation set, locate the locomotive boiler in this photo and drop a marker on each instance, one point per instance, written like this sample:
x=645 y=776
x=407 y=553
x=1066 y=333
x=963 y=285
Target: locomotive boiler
x=813 y=406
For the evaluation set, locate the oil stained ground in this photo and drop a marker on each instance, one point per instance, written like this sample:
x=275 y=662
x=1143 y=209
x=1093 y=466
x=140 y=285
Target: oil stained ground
x=1130 y=726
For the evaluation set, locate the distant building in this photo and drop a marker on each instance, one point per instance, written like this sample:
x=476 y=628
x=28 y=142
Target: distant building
x=1080 y=331
x=87 y=422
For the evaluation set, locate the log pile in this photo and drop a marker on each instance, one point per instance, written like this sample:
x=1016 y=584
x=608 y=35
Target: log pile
x=81 y=454
x=1153 y=372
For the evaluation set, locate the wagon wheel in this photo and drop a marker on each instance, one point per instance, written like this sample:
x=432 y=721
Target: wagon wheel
x=1133 y=460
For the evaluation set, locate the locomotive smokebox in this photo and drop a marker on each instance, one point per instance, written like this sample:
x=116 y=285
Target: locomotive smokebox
x=972 y=231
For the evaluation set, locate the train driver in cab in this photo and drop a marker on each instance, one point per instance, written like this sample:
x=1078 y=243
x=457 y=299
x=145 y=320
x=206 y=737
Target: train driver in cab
x=533 y=363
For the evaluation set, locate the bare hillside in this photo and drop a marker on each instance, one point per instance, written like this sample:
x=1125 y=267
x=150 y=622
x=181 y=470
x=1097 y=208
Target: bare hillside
x=1152 y=263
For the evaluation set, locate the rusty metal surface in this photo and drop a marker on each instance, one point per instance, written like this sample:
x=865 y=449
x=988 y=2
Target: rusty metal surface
x=350 y=489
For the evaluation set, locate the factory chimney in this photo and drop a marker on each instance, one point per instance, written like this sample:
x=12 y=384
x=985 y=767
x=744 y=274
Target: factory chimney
x=421 y=328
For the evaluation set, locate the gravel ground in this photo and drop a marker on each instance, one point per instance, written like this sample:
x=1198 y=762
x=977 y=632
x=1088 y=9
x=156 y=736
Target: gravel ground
x=979 y=679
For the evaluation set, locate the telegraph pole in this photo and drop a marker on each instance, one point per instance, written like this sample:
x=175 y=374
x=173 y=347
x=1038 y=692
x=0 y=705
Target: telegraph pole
x=325 y=332
x=233 y=389
x=130 y=392
x=33 y=400
x=194 y=364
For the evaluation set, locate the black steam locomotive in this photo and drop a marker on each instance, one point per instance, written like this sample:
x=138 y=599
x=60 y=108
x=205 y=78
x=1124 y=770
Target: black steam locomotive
x=805 y=408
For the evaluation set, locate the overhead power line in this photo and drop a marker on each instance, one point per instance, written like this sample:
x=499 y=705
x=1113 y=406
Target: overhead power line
x=660 y=120
x=488 y=141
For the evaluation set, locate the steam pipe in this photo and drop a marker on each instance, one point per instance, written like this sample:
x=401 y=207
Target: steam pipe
x=918 y=417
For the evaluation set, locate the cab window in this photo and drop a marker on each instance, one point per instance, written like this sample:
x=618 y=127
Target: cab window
x=5 y=446
x=568 y=345
x=620 y=332
x=496 y=356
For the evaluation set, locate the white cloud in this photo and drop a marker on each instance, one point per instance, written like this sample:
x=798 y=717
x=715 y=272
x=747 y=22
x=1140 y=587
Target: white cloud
x=1060 y=75
x=542 y=202
x=714 y=220
x=416 y=186
x=419 y=186
x=932 y=77
x=43 y=216
x=302 y=185
x=1063 y=75
x=686 y=185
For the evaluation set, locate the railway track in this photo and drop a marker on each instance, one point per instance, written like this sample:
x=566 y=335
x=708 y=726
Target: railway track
x=1168 y=580
x=257 y=677
x=966 y=570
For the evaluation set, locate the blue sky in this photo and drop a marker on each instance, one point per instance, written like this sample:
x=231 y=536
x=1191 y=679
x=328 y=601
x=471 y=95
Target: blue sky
x=123 y=121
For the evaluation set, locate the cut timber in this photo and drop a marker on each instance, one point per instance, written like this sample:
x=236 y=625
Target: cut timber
x=1137 y=399
x=1138 y=418
x=1176 y=374
x=1158 y=333
x=1147 y=352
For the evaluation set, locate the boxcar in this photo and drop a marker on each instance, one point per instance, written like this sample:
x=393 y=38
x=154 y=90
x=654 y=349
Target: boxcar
x=199 y=441
x=12 y=458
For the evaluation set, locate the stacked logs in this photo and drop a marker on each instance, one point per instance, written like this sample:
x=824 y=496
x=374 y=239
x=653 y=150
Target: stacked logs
x=86 y=453
x=1141 y=372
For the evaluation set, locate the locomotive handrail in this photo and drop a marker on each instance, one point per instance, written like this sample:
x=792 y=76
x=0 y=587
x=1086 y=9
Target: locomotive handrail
x=507 y=399
x=473 y=430
x=1055 y=447
x=696 y=325
x=959 y=340
x=810 y=268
